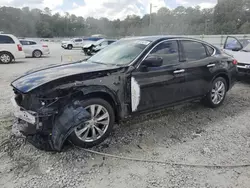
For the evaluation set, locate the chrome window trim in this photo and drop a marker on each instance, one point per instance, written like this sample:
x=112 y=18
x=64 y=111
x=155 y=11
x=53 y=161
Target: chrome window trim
x=176 y=39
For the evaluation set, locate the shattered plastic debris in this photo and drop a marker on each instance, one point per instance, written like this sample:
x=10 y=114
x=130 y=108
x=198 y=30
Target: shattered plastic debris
x=72 y=116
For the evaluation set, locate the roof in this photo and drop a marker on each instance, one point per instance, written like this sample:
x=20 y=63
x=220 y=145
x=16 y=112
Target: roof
x=27 y=40
x=153 y=38
x=6 y=34
x=163 y=37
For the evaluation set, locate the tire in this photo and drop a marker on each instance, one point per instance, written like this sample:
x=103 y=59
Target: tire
x=215 y=97
x=6 y=57
x=37 y=54
x=70 y=47
x=86 y=139
x=85 y=51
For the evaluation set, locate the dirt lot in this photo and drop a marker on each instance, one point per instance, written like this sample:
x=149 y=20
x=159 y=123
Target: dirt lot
x=188 y=134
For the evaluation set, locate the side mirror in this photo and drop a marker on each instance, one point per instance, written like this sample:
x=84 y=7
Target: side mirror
x=236 y=49
x=152 y=61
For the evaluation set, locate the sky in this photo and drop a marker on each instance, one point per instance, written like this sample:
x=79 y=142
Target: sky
x=112 y=9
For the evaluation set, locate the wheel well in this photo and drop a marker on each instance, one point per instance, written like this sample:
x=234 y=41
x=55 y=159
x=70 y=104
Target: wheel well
x=105 y=97
x=225 y=77
x=8 y=53
x=70 y=45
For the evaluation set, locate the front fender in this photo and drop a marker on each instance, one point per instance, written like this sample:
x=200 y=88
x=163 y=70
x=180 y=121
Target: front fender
x=100 y=89
x=117 y=97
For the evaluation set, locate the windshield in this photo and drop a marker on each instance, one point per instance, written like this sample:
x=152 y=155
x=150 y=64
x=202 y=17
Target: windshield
x=122 y=52
x=244 y=42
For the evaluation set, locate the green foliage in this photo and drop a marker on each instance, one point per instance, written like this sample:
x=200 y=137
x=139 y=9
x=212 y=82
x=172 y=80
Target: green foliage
x=228 y=17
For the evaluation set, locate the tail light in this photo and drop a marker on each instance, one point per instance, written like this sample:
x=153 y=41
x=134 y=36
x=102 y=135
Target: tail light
x=45 y=46
x=235 y=62
x=19 y=47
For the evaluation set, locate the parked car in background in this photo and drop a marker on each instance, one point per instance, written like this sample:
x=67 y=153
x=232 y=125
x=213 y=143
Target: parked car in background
x=34 y=49
x=240 y=50
x=130 y=77
x=10 y=48
x=78 y=42
x=92 y=48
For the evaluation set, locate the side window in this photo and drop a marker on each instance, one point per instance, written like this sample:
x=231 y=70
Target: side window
x=210 y=50
x=232 y=43
x=168 y=51
x=32 y=43
x=6 y=40
x=24 y=43
x=78 y=40
x=194 y=50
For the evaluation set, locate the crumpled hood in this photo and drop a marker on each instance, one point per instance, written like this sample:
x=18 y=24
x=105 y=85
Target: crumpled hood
x=38 y=78
x=88 y=45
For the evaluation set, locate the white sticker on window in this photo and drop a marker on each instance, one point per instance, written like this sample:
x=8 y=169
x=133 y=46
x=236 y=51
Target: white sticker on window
x=135 y=94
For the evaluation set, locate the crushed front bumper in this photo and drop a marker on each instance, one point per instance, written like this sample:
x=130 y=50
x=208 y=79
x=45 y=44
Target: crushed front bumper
x=62 y=125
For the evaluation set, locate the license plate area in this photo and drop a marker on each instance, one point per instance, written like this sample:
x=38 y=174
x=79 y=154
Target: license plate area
x=22 y=114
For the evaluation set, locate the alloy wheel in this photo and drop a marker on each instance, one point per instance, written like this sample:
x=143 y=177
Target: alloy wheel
x=218 y=92
x=96 y=126
x=5 y=58
x=37 y=54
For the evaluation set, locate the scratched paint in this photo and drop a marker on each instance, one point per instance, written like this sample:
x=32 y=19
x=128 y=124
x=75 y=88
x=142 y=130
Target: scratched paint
x=135 y=94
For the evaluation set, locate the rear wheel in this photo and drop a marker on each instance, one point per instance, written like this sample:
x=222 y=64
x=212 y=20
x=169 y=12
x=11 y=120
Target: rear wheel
x=98 y=127
x=217 y=93
x=5 y=57
x=37 y=54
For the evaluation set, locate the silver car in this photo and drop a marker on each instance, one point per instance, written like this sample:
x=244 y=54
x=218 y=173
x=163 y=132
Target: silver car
x=34 y=49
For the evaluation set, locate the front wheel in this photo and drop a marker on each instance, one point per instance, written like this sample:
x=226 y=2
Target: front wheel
x=70 y=47
x=98 y=127
x=217 y=93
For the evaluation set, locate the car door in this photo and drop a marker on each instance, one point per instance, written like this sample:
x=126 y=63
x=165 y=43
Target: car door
x=78 y=43
x=159 y=86
x=198 y=65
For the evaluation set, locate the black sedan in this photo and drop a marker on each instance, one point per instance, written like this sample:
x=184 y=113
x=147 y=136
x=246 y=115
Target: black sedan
x=84 y=99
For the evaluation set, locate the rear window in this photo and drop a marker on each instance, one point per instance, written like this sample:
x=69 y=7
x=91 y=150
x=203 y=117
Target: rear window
x=24 y=42
x=32 y=43
x=194 y=50
x=6 y=40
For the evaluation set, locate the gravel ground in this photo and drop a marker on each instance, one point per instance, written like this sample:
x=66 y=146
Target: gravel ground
x=189 y=133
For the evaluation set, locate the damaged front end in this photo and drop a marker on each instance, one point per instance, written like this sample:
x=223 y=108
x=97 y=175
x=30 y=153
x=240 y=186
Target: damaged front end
x=50 y=118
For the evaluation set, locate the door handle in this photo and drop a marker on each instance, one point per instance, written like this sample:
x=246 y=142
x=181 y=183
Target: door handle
x=179 y=71
x=211 y=65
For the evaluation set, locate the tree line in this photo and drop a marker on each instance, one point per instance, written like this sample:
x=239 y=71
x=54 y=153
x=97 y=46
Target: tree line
x=227 y=17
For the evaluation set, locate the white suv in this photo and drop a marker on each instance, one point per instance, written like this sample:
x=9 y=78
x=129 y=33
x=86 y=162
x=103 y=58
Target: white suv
x=10 y=48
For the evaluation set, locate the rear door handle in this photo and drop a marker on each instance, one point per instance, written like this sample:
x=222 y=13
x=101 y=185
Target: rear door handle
x=179 y=71
x=210 y=65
